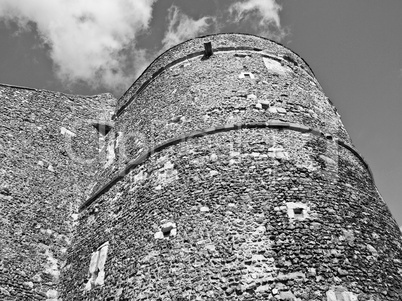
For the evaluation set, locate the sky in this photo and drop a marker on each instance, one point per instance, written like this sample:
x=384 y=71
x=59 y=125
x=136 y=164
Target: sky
x=94 y=46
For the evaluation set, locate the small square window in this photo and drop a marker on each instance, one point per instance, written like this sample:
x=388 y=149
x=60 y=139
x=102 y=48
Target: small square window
x=298 y=212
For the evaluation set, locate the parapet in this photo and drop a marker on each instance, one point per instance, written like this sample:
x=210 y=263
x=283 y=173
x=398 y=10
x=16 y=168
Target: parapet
x=220 y=42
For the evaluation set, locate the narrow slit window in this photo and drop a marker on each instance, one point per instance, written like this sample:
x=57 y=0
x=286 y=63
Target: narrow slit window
x=246 y=75
x=208 y=49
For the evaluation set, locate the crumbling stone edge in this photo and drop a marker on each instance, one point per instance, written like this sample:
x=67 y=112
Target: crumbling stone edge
x=49 y=91
x=193 y=55
x=273 y=124
x=18 y=87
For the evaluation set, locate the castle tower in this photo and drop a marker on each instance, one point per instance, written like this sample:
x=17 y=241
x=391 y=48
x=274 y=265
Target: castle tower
x=230 y=176
x=242 y=184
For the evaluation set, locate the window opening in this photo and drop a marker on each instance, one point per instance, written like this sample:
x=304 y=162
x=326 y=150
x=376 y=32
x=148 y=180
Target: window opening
x=97 y=267
x=103 y=128
x=298 y=212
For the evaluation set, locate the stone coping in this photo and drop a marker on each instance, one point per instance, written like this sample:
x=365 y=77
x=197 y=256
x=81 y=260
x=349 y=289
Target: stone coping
x=54 y=92
x=272 y=124
x=18 y=87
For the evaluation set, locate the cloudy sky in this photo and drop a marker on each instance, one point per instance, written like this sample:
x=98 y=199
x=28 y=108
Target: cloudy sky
x=93 y=46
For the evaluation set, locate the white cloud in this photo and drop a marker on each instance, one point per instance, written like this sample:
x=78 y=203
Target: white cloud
x=262 y=14
x=181 y=27
x=90 y=41
x=94 y=41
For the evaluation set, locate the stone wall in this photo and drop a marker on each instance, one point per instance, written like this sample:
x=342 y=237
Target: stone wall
x=223 y=177
x=242 y=215
x=49 y=153
x=199 y=93
x=259 y=213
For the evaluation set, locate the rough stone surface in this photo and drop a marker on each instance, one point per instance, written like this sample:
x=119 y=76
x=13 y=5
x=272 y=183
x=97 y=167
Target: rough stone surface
x=246 y=245
x=46 y=147
x=257 y=213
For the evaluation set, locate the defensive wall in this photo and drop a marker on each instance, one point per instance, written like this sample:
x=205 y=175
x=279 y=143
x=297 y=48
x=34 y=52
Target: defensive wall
x=49 y=155
x=225 y=173
x=238 y=181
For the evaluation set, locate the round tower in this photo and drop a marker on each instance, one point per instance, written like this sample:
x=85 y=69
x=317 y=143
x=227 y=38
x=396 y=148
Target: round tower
x=236 y=180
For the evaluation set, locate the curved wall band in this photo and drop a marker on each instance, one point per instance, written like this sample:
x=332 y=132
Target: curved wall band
x=270 y=124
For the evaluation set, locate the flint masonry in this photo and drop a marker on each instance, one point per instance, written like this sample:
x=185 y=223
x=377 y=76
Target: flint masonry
x=223 y=173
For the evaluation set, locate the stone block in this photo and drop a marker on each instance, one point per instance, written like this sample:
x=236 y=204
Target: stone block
x=288 y=295
x=51 y=294
x=328 y=160
x=204 y=209
x=93 y=265
x=252 y=97
x=298 y=276
x=110 y=154
x=339 y=293
x=232 y=161
x=29 y=284
x=213 y=173
x=372 y=250
x=234 y=154
x=264 y=104
x=274 y=66
x=213 y=157
x=65 y=131
x=159 y=235
x=175 y=119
